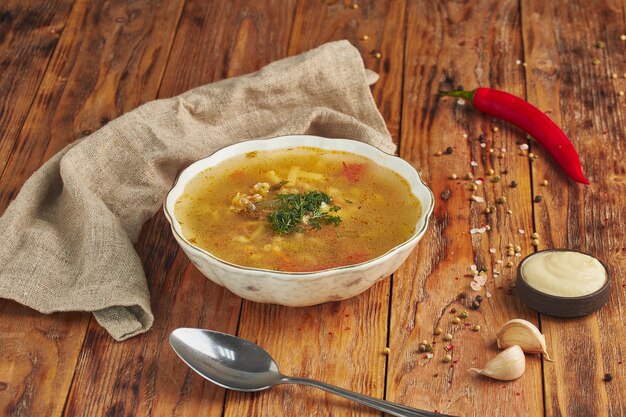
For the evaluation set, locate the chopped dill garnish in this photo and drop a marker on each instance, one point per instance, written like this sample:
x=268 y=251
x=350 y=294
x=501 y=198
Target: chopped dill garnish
x=313 y=209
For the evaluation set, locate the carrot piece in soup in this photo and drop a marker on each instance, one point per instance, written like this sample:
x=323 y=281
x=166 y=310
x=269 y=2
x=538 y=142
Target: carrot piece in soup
x=353 y=172
x=357 y=258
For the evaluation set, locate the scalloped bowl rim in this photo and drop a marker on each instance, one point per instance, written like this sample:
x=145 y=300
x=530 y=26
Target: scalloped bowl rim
x=308 y=141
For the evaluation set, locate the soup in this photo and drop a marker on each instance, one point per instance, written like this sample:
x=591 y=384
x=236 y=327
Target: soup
x=298 y=210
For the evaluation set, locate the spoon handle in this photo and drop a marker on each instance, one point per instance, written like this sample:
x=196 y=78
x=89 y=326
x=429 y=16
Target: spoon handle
x=381 y=405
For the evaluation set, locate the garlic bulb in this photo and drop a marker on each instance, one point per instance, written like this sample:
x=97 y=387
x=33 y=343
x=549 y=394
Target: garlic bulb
x=510 y=364
x=523 y=334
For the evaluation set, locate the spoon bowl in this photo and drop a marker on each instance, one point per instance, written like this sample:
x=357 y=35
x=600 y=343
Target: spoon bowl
x=238 y=364
x=227 y=361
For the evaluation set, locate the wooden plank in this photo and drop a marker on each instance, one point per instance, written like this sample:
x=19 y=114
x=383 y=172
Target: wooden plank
x=374 y=27
x=109 y=60
x=29 y=32
x=582 y=98
x=143 y=376
x=474 y=43
x=341 y=343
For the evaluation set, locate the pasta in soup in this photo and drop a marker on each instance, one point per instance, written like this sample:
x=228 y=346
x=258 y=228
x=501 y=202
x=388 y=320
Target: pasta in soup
x=297 y=209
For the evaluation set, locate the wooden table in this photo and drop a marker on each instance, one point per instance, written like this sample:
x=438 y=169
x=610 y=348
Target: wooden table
x=70 y=66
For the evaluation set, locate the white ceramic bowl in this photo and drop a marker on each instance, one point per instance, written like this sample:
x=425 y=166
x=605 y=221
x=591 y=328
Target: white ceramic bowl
x=301 y=288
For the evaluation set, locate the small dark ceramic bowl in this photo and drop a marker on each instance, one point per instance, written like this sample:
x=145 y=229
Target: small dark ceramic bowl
x=557 y=306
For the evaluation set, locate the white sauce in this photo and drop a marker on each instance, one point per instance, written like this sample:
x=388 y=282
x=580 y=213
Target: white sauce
x=564 y=273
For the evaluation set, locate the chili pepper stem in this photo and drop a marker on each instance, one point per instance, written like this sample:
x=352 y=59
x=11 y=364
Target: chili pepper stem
x=466 y=95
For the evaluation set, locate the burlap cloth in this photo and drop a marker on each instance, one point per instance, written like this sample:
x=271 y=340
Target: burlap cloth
x=67 y=239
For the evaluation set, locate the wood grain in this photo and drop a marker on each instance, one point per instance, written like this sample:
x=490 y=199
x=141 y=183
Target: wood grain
x=582 y=98
x=143 y=376
x=448 y=49
x=29 y=32
x=341 y=343
x=110 y=58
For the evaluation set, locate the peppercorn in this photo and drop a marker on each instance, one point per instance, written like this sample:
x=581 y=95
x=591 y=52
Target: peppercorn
x=501 y=200
x=538 y=199
x=496 y=178
x=447 y=358
x=459 y=87
x=421 y=348
x=463 y=314
x=453 y=310
x=449 y=150
x=456 y=320
x=600 y=45
x=479 y=298
x=481 y=138
x=513 y=184
x=608 y=377
x=475 y=305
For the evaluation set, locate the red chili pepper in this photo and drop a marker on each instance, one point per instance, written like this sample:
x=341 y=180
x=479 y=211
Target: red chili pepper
x=530 y=119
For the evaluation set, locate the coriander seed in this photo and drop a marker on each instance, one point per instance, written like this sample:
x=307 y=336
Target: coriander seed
x=487 y=210
x=421 y=348
x=438 y=153
x=447 y=358
x=438 y=331
x=490 y=171
x=544 y=182
x=453 y=176
x=496 y=178
x=501 y=200
x=535 y=242
x=517 y=249
x=509 y=264
x=447 y=337
x=535 y=235
x=476 y=328
x=456 y=320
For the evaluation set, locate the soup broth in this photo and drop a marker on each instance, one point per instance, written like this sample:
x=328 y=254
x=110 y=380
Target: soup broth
x=297 y=209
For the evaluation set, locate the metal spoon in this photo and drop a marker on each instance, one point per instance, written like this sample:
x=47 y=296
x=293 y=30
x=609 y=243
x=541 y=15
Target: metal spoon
x=238 y=364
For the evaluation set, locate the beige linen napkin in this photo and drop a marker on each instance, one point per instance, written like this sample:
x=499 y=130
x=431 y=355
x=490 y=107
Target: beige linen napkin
x=67 y=239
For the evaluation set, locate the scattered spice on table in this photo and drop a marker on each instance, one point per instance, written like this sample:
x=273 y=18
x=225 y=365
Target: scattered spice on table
x=608 y=377
x=449 y=150
x=538 y=199
x=530 y=119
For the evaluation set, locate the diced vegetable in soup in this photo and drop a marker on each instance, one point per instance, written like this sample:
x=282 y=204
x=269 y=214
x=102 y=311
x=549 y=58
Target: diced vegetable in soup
x=298 y=209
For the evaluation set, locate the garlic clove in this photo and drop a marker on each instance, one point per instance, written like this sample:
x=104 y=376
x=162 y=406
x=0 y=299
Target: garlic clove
x=523 y=334
x=510 y=364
